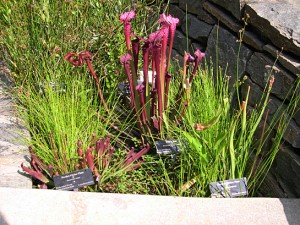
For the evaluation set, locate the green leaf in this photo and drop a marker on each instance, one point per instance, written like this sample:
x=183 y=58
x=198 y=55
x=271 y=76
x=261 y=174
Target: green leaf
x=196 y=144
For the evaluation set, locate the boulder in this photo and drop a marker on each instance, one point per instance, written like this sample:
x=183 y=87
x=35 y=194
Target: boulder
x=278 y=22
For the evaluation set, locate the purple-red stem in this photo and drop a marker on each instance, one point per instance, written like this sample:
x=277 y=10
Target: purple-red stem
x=141 y=91
x=97 y=83
x=168 y=79
x=157 y=58
x=135 y=52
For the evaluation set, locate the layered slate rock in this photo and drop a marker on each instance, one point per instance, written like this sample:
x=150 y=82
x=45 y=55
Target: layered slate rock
x=196 y=7
x=196 y=29
x=232 y=6
x=181 y=42
x=225 y=43
x=290 y=63
x=287 y=170
x=176 y=12
x=192 y=6
x=279 y=22
x=222 y=16
x=260 y=67
x=234 y=25
x=292 y=135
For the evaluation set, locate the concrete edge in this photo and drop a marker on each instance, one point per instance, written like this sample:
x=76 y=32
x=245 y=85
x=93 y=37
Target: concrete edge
x=34 y=206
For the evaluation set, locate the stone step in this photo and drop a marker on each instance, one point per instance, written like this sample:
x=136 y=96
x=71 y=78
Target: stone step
x=35 y=206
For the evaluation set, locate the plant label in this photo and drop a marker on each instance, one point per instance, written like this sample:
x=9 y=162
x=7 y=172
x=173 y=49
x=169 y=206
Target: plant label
x=165 y=147
x=229 y=188
x=74 y=180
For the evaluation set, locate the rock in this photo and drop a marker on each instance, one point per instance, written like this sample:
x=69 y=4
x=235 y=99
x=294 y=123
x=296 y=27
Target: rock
x=255 y=91
x=297 y=117
x=259 y=68
x=181 y=42
x=232 y=6
x=13 y=150
x=175 y=11
x=227 y=47
x=223 y=17
x=255 y=98
x=292 y=134
x=270 y=188
x=177 y=60
x=206 y=17
x=196 y=29
x=234 y=25
x=12 y=130
x=196 y=7
x=294 y=2
x=253 y=40
x=196 y=46
x=287 y=61
x=192 y=6
x=279 y=22
x=275 y=107
x=288 y=167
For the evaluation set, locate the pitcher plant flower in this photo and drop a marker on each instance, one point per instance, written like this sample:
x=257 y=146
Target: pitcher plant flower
x=125 y=18
x=77 y=59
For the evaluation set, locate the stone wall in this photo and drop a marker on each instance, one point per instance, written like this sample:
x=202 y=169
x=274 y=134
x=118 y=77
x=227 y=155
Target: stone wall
x=272 y=31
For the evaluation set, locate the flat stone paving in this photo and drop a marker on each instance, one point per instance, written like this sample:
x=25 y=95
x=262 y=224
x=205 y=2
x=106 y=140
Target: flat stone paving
x=34 y=206
x=13 y=150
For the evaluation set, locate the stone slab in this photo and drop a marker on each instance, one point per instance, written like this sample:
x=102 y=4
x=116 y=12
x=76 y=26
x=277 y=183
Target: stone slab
x=232 y=6
x=11 y=173
x=279 y=22
x=191 y=6
x=176 y=12
x=287 y=171
x=227 y=47
x=24 y=206
x=196 y=29
x=222 y=16
x=260 y=67
x=290 y=63
x=181 y=42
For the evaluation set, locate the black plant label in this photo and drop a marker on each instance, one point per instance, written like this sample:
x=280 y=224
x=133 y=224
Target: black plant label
x=166 y=147
x=229 y=188
x=74 y=180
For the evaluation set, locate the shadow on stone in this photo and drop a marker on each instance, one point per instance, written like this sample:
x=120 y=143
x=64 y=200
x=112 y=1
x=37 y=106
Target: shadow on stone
x=291 y=209
x=3 y=220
